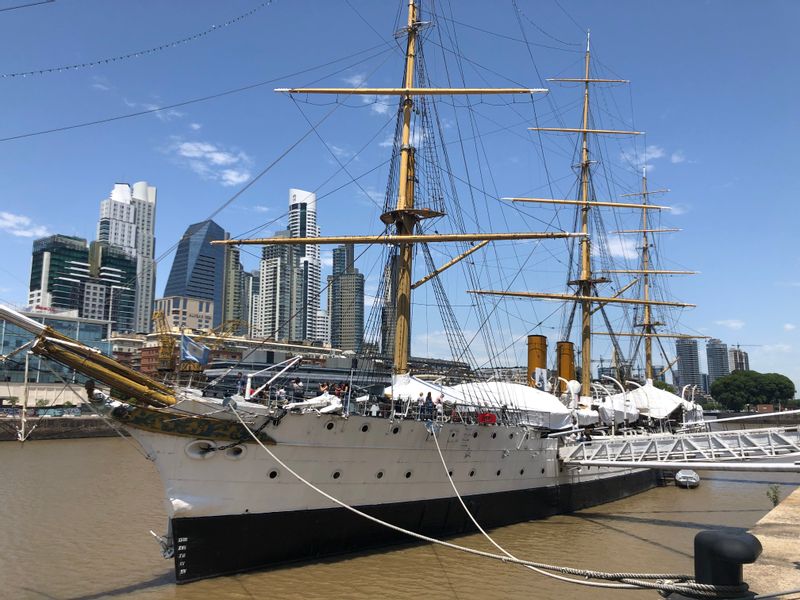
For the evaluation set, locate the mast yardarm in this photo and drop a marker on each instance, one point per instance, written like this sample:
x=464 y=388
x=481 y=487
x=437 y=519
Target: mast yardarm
x=405 y=217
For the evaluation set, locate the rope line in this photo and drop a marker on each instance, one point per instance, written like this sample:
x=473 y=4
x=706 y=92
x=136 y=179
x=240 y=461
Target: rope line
x=138 y=53
x=669 y=582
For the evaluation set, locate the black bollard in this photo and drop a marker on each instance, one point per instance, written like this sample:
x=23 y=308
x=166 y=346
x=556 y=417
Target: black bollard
x=719 y=556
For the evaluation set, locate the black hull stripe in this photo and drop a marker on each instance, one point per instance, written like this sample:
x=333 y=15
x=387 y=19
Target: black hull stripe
x=212 y=546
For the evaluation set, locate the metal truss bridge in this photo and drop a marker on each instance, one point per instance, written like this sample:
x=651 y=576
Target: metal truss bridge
x=743 y=450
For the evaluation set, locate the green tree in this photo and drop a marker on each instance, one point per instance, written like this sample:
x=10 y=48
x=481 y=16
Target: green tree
x=741 y=388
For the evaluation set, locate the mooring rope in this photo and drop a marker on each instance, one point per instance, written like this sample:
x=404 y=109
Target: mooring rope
x=684 y=584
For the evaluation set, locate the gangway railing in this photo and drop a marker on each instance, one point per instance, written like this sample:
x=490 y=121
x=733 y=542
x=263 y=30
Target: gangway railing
x=721 y=450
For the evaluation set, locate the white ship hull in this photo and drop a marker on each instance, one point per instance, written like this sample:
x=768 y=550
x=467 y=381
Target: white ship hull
x=240 y=497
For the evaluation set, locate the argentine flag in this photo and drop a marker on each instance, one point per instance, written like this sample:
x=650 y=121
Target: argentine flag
x=193 y=351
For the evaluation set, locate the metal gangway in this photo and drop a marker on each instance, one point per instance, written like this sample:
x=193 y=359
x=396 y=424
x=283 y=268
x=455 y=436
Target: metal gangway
x=742 y=450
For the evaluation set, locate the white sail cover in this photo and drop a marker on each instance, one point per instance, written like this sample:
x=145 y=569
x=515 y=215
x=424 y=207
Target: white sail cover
x=536 y=406
x=650 y=401
x=619 y=408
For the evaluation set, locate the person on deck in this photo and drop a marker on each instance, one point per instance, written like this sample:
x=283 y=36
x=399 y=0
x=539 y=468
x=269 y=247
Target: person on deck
x=428 y=407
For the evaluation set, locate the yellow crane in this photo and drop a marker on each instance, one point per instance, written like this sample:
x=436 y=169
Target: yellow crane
x=166 y=348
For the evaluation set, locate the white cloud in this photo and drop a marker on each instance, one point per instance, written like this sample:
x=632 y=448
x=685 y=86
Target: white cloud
x=679 y=209
x=789 y=326
x=230 y=177
x=162 y=115
x=213 y=162
x=326 y=258
x=195 y=126
x=101 y=84
x=379 y=105
x=622 y=247
x=21 y=226
x=340 y=152
x=730 y=323
x=356 y=80
x=260 y=208
x=677 y=157
x=639 y=160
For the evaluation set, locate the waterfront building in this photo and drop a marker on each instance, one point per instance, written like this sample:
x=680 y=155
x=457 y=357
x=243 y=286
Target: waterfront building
x=109 y=292
x=324 y=326
x=303 y=223
x=717 y=360
x=346 y=301
x=688 y=363
x=57 y=264
x=275 y=305
x=94 y=280
x=183 y=312
x=388 y=308
x=738 y=360
x=92 y=332
x=127 y=221
x=249 y=290
x=198 y=270
x=234 y=304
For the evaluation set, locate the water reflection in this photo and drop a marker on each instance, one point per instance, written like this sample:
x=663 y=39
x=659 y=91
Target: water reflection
x=77 y=514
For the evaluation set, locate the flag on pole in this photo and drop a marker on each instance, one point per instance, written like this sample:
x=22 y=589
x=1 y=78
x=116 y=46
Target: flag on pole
x=193 y=351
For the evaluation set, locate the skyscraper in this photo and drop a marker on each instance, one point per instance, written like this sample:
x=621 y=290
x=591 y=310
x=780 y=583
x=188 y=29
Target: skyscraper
x=58 y=263
x=303 y=223
x=127 y=221
x=97 y=281
x=234 y=304
x=738 y=360
x=388 y=310
x=198 y=270
x=274 y=306
x=688 y=363
x=346 y=301
x=717 y=359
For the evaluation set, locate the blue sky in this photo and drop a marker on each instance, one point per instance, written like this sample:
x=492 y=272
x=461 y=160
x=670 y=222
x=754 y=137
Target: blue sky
x=713 y=85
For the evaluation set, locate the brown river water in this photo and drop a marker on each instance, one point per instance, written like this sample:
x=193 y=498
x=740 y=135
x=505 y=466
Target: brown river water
x=75 y=517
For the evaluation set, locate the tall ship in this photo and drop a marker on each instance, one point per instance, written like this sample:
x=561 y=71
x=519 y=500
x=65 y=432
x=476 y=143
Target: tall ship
x=249 y=484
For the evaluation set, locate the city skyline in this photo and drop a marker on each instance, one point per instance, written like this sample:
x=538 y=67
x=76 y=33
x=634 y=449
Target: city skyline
x=177 y=148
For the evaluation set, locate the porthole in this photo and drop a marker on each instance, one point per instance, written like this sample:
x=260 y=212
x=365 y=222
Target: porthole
x=498 y=472
x=395 y=430
x=452 y=434
x=474 y=434
x=201 y=449
x=364 y=428
x=511 y=436
x=379 y=475
x=494 y=434
x=235 y=453
x=542 y=470
x=522 y=471
x=408 y=474
x=273 y=474
x=336 y=474
x=329 y=425
x=472 y=473
x=450 y=473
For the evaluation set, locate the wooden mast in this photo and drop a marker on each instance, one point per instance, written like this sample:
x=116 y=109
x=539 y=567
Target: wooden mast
x=585 y=281
x=405 y=221
x=647 y=322
x=405 y=216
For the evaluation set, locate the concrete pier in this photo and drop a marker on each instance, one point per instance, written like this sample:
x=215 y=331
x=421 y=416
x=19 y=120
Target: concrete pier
x=778 y=567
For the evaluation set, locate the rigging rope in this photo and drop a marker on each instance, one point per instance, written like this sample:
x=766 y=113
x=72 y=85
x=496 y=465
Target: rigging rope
x=139 y=53
x=662 y=581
